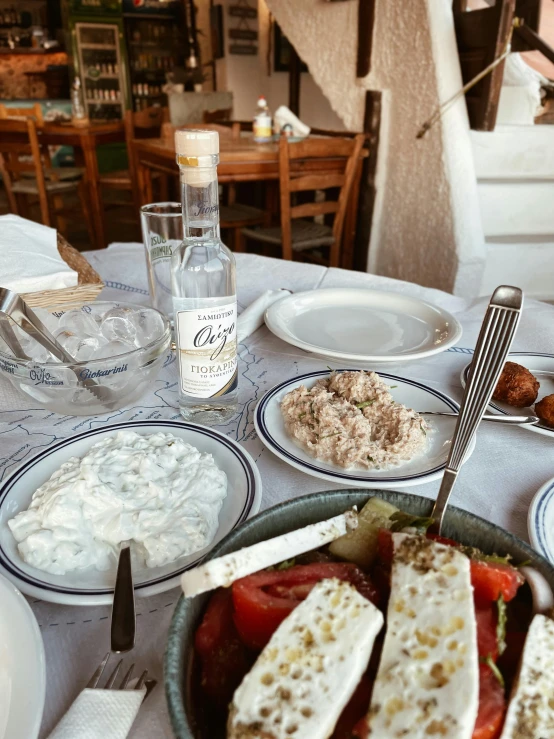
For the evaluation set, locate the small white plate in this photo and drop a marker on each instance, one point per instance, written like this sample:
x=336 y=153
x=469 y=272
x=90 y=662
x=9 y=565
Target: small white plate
x=426 y=467
x=540 y=521
x=22 y=666
x=542 y=366
x=90 y=586
x=357 y=325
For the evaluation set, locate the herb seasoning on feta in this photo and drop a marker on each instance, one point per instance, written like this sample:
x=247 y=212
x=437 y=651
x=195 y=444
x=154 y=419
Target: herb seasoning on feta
x=157 y=491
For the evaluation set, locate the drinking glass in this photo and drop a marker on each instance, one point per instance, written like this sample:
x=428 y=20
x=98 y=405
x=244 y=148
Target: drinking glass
x=162 y=232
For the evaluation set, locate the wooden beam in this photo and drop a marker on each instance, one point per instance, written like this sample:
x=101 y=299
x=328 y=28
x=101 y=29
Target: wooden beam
x=372 y=126
x=366 y=21
x=532 y=41
x=294 y=81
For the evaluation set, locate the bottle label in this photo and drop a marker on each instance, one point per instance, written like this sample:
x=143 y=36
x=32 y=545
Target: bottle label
x=207 y=345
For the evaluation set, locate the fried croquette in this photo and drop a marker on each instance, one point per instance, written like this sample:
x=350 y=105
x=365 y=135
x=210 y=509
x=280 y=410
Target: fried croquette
x=516 y=386
x=545 y=410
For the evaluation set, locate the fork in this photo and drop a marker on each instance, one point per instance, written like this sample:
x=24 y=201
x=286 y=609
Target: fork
x=495 y=338
x=110 y=682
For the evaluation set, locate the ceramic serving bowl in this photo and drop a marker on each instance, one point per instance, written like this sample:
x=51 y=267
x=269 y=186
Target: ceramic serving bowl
x=465 y=527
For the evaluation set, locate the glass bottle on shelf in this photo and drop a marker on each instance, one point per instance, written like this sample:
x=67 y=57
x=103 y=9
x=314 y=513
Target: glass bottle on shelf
x=77 y=106
x=204 y=290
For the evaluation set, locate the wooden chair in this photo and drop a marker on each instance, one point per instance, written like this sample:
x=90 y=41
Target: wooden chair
x=30 y=111
x=234 y=216
x=217 y=116
x=22 y=165
x=295 y=232
x=145 y=124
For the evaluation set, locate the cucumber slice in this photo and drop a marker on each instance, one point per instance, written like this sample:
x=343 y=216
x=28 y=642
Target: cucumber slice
x=360 y=546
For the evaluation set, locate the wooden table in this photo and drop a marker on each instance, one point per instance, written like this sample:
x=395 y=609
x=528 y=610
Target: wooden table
x=242 y=160
x=85 y=139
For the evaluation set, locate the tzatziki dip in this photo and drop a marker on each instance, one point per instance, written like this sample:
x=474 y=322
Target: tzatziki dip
x=156 y=491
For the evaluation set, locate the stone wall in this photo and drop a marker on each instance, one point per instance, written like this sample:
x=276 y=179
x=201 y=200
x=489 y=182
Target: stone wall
x=14 y=83
x=427 y=224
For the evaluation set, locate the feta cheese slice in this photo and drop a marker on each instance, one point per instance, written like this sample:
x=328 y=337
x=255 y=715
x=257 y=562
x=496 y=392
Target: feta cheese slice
x=531 y=711
x=312 y=664
x=223 y=571
x=428 y=679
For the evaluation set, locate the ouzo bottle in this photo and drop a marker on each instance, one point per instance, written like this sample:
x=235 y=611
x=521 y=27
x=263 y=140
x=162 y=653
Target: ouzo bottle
x=203 y=288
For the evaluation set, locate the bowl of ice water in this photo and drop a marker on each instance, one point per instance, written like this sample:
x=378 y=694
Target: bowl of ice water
x=119 y=349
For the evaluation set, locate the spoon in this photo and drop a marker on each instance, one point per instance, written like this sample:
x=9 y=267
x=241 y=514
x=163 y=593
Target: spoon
x=517 y=420
x=123 y=608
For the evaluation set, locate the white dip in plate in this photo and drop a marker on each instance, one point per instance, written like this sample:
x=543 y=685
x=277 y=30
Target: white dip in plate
x=157 y=491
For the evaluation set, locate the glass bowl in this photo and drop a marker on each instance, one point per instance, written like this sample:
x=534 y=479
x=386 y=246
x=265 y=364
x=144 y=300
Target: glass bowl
x=113 y=381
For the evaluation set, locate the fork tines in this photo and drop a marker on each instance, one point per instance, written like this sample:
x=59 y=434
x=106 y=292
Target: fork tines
x=95 y=679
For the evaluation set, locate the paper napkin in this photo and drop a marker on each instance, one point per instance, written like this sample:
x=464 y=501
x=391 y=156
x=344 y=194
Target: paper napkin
x=285 y=115
x=29 y=257
x=252 y=317
x=100 y=714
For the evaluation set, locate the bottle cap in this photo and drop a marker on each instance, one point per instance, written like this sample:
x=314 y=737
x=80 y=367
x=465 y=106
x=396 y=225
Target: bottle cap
x=191 y=143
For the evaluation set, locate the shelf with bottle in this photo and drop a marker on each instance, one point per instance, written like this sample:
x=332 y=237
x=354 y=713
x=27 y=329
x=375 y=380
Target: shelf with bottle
x=95 y=101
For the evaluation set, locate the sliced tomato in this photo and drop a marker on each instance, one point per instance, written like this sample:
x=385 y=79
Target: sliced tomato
x=490 y=580
x=361 y=730
x=262 y=601
x=355 y=709
x=492 y=706
x=487 y=619
x=224 y=659
x=443 y=540
x=385 y=547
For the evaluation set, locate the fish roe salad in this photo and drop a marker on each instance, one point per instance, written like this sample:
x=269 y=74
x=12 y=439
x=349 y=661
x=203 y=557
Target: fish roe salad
x=350 y=419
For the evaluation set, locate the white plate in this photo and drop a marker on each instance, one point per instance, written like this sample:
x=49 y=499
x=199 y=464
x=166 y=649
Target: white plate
x=22 y=666
x=357 y=325
x=540 y=521
x=542 y=366
x=90 y=586
x=425 y=468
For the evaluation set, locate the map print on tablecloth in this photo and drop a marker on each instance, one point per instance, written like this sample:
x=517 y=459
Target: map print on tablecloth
x=25 y=431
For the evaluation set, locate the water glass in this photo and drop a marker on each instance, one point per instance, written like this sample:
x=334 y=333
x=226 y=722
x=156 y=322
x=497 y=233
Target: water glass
x=162 y=232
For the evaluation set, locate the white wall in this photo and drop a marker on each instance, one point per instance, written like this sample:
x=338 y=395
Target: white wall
x=427 y=226
x=248 y=77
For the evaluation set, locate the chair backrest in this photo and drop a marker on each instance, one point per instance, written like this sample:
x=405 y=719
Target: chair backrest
x=30 y=111
x=20 y=151
x=217 y=116
x=296 y=175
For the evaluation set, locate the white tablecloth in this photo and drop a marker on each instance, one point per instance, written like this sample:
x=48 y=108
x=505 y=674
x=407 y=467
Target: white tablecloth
x=506 y=469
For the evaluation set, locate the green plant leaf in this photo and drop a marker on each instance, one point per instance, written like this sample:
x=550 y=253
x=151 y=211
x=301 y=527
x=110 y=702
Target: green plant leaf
x=488 y=660
x=401 y=520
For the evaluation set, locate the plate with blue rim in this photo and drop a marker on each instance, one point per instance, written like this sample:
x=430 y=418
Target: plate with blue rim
x=539 y=364
x=91 y=587
x=424 y=468
x=540 y=521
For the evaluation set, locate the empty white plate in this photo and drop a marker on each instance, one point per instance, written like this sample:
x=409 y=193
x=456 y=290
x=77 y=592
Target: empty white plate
x=359 y=325
x=424 y=468
x=540 y=521
x=22 y=666
x=542 y=366
x=91 y=586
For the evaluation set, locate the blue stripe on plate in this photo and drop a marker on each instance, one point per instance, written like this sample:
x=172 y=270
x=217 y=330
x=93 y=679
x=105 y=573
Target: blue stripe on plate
x=12 y=567
x=267 y=437
x=540 y=521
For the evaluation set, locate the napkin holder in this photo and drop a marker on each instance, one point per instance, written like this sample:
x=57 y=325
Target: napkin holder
x=87 y=289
